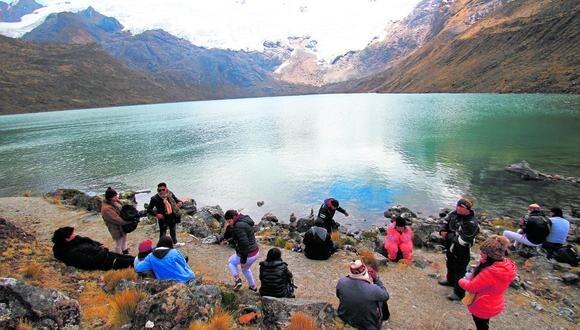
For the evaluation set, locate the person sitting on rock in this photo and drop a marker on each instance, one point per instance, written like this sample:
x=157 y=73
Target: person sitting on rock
x=247 y=251
x=459 y=232
x=145 y=248
x=85 y=253
x=558 y=233
x=363 y=298
x=534 y=229
x=326 y=214
x=167 y=209
x=111 y=213
x=399 y=240
x=277 y=281
x=489 y=281
x=317 y=242
x=166 y=263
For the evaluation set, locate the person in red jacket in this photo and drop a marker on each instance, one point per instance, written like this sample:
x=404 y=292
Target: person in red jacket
x=399 y=240
x=489 y=281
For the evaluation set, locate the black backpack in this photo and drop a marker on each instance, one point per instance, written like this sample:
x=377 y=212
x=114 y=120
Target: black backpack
x=537 y=228
x=566 y=254
x=130 y=214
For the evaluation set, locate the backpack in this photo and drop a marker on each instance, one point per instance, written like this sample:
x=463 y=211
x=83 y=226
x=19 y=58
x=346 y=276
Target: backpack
x=567 y=254
x=537 y=228
x=130 y=214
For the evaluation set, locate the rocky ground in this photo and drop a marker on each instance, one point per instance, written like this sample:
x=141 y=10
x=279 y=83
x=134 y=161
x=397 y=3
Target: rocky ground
x=543 y=300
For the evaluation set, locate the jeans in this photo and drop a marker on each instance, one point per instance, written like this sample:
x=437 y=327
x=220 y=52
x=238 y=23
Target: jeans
x=233 y=263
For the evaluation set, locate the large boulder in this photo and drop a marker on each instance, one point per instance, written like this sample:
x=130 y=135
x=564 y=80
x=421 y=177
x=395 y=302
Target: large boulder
x=207 y=221
x=425 y=235
x=177 y=306
x=278 y=311
x=46 y=308
x=189 y=207
x=270 y=217
x=303 y=224
x=396 y=210
x=525 y=171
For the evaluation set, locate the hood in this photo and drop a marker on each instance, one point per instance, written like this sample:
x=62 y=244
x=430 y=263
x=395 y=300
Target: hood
x=246 y=219
x=161 y=252
x=505 y=270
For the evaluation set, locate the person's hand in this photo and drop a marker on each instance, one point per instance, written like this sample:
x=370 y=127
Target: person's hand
x=443 y=234
x=104 y=247
x=372 y=273
x=159 y=216
x=179 y=204
x=345 y=214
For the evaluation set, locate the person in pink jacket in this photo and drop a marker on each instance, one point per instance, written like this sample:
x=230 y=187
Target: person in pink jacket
x=399 y=240
x=489 y=281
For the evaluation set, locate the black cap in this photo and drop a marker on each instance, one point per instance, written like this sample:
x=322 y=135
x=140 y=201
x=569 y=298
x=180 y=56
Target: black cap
x=110 y=193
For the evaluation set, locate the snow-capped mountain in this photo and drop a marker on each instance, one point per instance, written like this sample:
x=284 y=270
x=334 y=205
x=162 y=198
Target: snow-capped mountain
x=14 y=11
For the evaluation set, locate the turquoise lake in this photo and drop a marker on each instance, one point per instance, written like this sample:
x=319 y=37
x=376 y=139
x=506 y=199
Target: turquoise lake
x=370 y=151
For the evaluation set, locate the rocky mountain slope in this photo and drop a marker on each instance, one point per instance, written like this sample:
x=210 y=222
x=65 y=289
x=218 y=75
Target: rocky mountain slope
x=520 y=46
x=56 y=77
x=13 y=12
x=171 y=61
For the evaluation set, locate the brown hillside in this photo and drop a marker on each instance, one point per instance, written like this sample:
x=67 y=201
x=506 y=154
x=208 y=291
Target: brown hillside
x=524 y=46
x=56 y=77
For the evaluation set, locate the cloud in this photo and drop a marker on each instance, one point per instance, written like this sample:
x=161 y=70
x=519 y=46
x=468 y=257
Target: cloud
x=337 y=25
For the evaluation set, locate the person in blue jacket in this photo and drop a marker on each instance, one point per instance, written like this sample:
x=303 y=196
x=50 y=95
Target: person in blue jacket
x=166 y=262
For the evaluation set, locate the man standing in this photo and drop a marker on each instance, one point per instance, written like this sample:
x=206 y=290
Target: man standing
x=458 y=232
x=166 y=208
x=326 y=214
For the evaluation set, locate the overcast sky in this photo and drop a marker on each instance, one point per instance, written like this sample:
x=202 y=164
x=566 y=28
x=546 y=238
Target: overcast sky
x=337 y=25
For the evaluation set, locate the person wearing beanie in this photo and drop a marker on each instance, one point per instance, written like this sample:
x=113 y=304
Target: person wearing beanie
x=166 y=207
x=145 y=248
x=317 y=242
x=327 y=211
x=534 y=228
x=489 y=281
x=247 y=251
x=458 y=232
x=166 y=263
x=362 y=298
x=85 y=253
x=275 y=277
x=558 y=233
x=399 y=240
x=111 y=213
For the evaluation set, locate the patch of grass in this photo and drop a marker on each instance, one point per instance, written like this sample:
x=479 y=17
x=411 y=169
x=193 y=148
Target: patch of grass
x=55 y=201
x=95 y=305
x=506 y=223
x=113 y=277
x=32 y=271
x=220 y=320
x=123 y=306
x=280 y=242
x=336 y=238
x=24 y=324
x=70 y=193
x=229 y=300
x=27 y=193
x=302 y=321
x=289 y=246
x=349 y=241
x=197 y=325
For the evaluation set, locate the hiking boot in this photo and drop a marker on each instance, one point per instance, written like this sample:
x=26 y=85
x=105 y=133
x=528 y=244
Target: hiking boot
x=444 y=282
x=238 y=284
x=454 y=297
x=253 y=288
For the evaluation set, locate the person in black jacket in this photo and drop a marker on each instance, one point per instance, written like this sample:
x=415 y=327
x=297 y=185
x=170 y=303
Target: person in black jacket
x=84 y=253
x=317 y=242
x=166 y=208
x=247 y=251
x=459 y=231
x=276 y=279
x=326 y=214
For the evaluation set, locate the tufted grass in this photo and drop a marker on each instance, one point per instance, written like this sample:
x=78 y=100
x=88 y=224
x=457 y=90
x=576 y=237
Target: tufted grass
x=123 y=306
x=113 y=277
x=220 y=320
x=32 y=271
x=302 y=321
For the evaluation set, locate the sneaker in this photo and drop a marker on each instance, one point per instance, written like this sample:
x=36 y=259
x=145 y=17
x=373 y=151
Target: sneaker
x=454 y=297
x=179 y=244
x=253 y=288
x=444 y=282
x=238 y=284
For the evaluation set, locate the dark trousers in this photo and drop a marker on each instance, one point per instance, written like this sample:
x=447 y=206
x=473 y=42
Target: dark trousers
x=118 y=261
x=456 y=268
x=480 y=324
x=167 y=223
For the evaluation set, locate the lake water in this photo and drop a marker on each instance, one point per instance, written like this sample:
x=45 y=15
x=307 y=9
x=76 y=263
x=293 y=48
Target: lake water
x=369 y=151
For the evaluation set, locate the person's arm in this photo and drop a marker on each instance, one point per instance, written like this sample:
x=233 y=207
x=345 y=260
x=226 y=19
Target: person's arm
x=177 y=200
x=467 y=233
x=144 y=266
x=483 y=280
x=112 y=217
x=378 y=291
x=343 y=211
x=151 y=206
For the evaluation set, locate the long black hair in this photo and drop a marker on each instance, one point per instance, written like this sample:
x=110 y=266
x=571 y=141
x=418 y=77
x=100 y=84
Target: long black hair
x=274 y=254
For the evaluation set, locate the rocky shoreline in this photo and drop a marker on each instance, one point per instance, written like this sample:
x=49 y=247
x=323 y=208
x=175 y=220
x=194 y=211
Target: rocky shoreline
x=170 y=305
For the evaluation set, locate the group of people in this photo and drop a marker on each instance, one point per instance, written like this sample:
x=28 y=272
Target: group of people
x=362 y=295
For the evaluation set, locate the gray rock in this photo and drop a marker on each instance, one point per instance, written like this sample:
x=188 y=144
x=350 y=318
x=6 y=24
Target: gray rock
x=278 y=311
x=303 y=224
x=396 y=210
x=189 y=207
x=562 y=267
x=537 y=306
x=292 y=218
x=91 y=217
x=270 y=217
x=177 y=306
x=567 y=313
x=525 y=171
x=540 y=264
x=47 y=308
x=260 y=203
x=570 y=278
x=206 y=222
x=421 y=263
